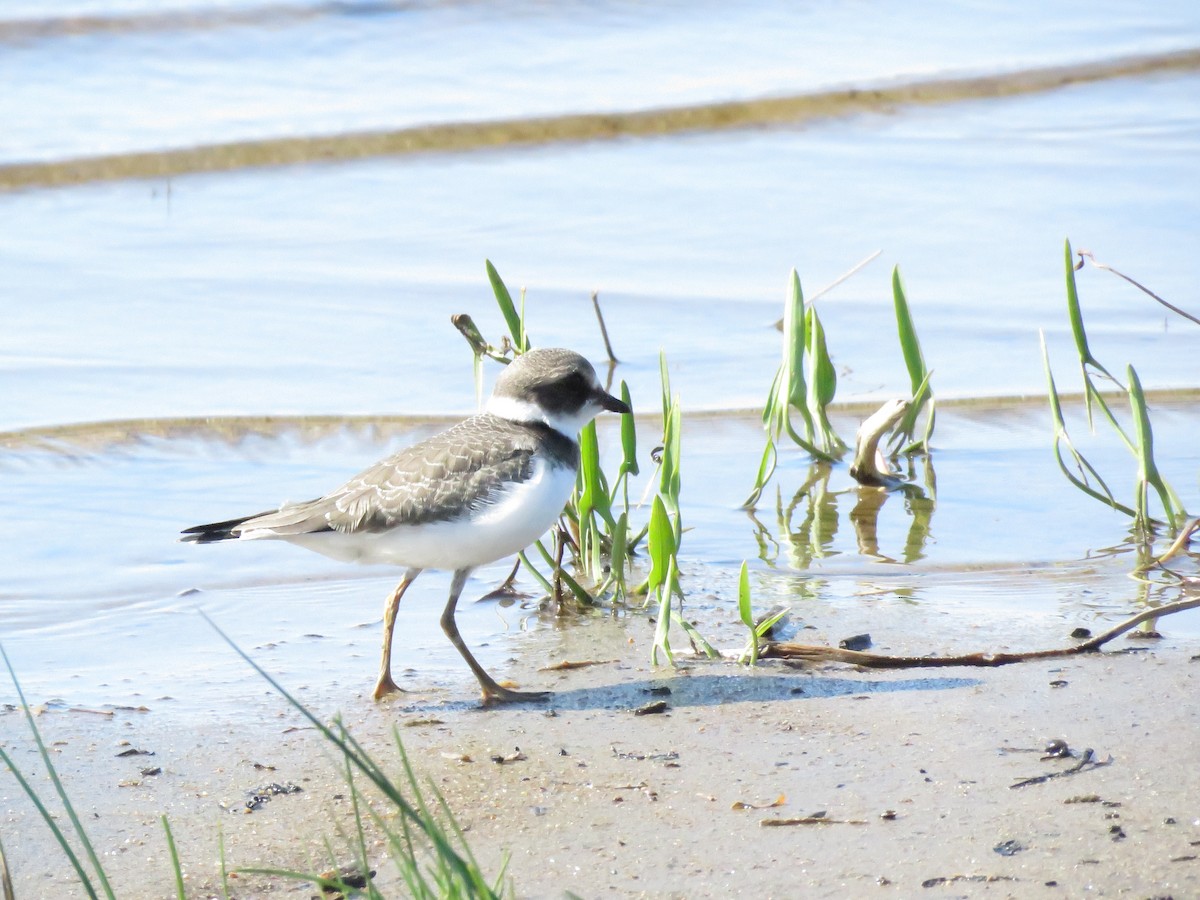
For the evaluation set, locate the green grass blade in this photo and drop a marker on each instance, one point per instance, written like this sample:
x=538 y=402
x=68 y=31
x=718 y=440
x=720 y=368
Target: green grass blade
x=532 y=569
x=593 y=495
x=1062 y=438
x=811 y=449
x=1148 y=472
x=359 y=844
x=6 y=885
x=770 y=414
x=918 y=373
x=698 y=640
x=766 y=468
x=746 y=611
x=512 y=318
x=1075 y=314
x=660 y=544
x=176 y=869
x=793 y=388
x=363 y=762
x=822 y=385
x=580 y=592
x=522 y=341
x=224 y=863
x=84 y=880
x=80 y=834
x=764 y=627
x=669 y=475
x=629 y=461
x=795 y=337
x=619 y=548
x=910 y=345
x=664 y=379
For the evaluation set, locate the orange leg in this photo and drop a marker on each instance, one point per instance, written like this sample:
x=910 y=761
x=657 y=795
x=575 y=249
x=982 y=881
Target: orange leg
x=385 y=685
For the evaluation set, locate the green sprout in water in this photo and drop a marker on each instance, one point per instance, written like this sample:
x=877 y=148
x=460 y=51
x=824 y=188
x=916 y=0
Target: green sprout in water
x=1081 y=472
x=806 y=382
x=758 y=630
x=666 y=534
x=904 y=437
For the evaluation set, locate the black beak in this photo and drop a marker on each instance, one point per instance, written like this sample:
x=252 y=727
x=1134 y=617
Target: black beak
x=611 y=403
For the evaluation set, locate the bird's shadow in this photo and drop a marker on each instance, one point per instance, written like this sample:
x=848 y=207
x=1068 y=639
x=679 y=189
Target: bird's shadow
x=697 y=690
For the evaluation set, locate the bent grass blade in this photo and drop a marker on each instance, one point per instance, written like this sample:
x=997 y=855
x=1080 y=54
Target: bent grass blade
x=1063 y=439
x=1148 y=474
x=918 y=374
x=81 y=835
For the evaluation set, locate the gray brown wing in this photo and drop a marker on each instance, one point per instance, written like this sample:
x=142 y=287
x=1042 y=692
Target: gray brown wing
x=462 y=468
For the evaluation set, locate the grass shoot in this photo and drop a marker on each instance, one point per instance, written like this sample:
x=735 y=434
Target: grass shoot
x=1081 y=473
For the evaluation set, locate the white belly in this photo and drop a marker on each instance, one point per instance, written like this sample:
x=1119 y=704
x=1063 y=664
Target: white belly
x=518 y=518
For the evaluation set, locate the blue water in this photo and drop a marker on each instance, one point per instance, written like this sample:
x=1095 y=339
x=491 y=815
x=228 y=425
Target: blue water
x=327 y=289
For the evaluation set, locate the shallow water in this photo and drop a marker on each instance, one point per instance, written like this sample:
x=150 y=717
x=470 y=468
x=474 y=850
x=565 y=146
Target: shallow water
x=138 y=81
x=228 y=296
x=326 y=289
x=95 y=579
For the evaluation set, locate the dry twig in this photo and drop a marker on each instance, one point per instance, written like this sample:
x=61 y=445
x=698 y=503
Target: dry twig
x=815 y=653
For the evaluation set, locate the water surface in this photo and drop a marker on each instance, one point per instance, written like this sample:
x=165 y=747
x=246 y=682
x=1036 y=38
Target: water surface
x=326 y=289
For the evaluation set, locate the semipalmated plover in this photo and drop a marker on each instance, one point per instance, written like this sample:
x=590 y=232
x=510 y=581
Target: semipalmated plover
x=485 y=489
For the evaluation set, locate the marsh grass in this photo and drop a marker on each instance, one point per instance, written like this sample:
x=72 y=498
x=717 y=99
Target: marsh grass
x=431 y=855
x=805 y=384
x=904 y=438
x=665 y=533
x=1073 y=464
x=443 y=868
x=6 y=885
x=758 y=629
x=92 y=878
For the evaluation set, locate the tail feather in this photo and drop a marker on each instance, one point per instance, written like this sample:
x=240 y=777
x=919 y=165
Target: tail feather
x=291 y=518
x=215 y=531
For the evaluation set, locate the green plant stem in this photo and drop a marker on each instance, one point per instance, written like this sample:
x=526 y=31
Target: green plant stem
x=62 y=795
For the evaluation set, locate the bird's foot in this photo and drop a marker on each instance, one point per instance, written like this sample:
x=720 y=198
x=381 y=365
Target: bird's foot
x=385 y=686
x=494 y=693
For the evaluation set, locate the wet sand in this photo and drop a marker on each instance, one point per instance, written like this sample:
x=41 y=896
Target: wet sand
x=903 y=782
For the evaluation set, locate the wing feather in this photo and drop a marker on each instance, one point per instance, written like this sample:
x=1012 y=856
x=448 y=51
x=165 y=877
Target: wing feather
x=438 y=479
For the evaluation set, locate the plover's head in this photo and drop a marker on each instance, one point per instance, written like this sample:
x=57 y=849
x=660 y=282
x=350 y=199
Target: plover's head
x=557 y=387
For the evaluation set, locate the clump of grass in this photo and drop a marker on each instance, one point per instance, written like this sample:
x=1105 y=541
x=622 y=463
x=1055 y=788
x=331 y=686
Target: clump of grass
x=803 y=338
x=1080 y=472
x=758 y=630
x=806 y=383
x=448 y=870
x=428 y=847
x=665 y=533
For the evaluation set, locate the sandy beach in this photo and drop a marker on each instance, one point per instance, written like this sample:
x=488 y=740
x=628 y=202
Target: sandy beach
x=777 y=782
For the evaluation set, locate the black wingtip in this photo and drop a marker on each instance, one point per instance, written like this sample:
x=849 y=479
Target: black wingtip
x=212 y=532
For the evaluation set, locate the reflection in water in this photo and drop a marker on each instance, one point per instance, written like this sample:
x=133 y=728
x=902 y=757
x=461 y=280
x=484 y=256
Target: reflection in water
x=807 y=526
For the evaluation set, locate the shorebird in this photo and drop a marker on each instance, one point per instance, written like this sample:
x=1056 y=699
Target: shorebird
x=484 y=489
